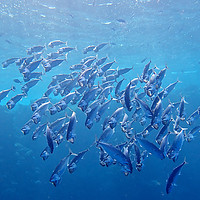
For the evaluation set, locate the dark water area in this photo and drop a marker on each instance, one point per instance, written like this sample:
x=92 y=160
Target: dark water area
x=165 y=32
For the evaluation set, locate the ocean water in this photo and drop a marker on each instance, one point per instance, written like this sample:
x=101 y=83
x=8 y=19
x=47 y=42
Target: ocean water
x=163 y=31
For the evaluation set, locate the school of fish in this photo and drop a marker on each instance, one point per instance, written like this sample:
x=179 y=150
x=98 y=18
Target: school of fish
x=93 y=85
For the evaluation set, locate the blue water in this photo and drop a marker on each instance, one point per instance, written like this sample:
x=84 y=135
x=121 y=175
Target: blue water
x=165 y=31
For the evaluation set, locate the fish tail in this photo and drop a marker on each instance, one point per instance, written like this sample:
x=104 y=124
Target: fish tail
x=178 y=81
x=107 y=57
x=133 y=67
x=13 y=88
x=171 y=103
x=72 y=153
x=185 y=160
x=66 y=56
x=45 y=46
x=75 y=48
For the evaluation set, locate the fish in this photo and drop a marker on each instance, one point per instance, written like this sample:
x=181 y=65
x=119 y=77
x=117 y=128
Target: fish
x=99 y=46
x=61 y=133
x=136 y=114
x=88 y=49
x=123 y=71
x=144 y=77
x=164 y=144
x=105 y=92
x=134 y=81
x=94 y=104
x=8 y=62
x=66 y=49
x=77 y=67
x=70 y=136
x=89 y=62
x=176 y=126
x=105 y=67
x=169 y=88
x=87 y=97
x=106 y=135
x=35 y=49
x=139 y=157
x=19 y=61
x=49 y=91
x=157 y=114
x=127 y=98
x=91 y=79
x=91 y=116
x=111 y=72
x=72 y=165
x=52 y=63
x=26 y=87
x=4 y=93
x=163 y=131
x=54 y=109
x=101 y=61
x=49 y=139
x=17 y=81
x=38 y=102
x=87 y=58
x=181 y=109
x=55 y=43
x=39 y=112
x=35 y=75
x=117 y=88
x=173 y=176
x=31 y=67
x=109 y=77
x=191 y=133
x=41 y=128
x=45 y=153
x=63 y=103
x=195 y=115
x=175 y=148
x=145 y=107
x=56 y=125
x=115 y=117
x=60 y=169
x=54 y=55
x=151 y=148
x=143 y=60
x=116 y=154
x=121 y=20
x=12 y=102
x=27 y=127
x=166 y=115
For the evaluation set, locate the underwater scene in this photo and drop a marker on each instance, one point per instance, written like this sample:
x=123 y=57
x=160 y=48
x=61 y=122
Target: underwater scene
x=99 y=99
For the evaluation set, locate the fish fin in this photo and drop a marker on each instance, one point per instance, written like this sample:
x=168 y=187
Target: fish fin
x=66 y=43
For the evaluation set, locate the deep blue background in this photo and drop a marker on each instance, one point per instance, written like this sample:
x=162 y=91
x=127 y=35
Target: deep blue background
x=167 y=32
